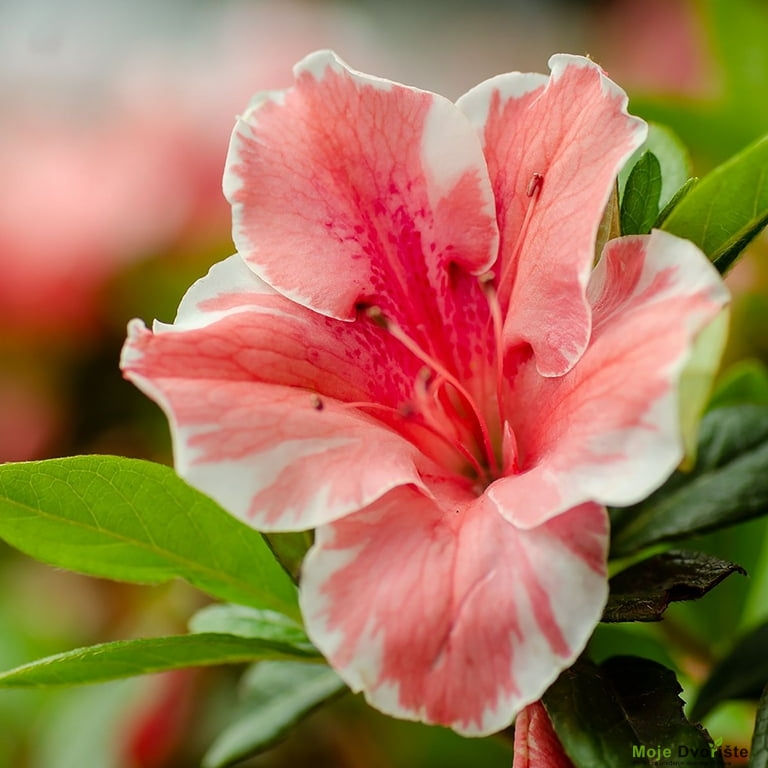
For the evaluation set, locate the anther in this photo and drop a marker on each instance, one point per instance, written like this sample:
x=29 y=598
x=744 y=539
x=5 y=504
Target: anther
x=535 y=184
x=377 y=316
x=486 y=277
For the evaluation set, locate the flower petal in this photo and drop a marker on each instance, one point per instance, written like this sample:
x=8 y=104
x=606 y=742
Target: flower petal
x=348 y=189
x=609 y=430
x=442 y=611
x=536 y=743
x=256 y=413
x=553 y=149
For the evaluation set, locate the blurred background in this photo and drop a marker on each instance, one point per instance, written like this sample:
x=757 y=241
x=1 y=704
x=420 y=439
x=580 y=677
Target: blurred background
x=114 y=124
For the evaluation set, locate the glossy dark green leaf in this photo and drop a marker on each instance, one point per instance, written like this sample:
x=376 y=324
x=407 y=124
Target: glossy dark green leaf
x=136 y=521
x=127 y=658
x=610 y=716
x=727 y=208
x=729 y=484
x=278 y=694
x=643 y=591
x=640 y=204
x=742 y=674
x=758 y=754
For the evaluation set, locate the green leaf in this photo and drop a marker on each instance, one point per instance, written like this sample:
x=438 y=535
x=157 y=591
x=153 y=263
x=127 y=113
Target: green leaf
x=696 y=381
x=289 y=548
x=685 y=188
x=136 y=521
x=126 y=658
x=608 y=716
x=742 y=674
x=97 y=714
x=278 y=695
x=729 y=484
x=672 y=155
x=727 y=208
x=759 y=750
x=640 y=204
x=643 y=591
x=243 y=621
x=744 y=382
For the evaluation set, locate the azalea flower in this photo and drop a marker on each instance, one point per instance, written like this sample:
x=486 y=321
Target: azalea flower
x=412 y=354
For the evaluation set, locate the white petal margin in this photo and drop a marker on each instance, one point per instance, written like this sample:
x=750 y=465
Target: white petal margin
x=610 y=430
x=274 y=455
x=446 y=613
x=301 y=218
x=570 y=134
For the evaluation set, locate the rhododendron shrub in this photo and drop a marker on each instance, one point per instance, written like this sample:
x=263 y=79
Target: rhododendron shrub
x=412 y=354
x=451 y=370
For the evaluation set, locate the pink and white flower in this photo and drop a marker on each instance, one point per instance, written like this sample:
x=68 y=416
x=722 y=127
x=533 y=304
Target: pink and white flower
x=412 y=354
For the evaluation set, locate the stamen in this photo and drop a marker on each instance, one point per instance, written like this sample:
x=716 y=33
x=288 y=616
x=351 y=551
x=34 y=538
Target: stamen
x=495 y=309
x=406 y=413
x=534 y=185
x=433 y=410
x=375 y=314
x=378 y=317
x=532 y=191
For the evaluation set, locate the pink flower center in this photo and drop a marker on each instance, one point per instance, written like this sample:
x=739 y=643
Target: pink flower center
x=442 y=417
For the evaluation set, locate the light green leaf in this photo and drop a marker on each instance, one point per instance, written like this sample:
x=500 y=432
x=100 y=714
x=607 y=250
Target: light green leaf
x=672 y=155
x=136 y=521
x=289 y=548
x=127 y=658
x=744 y=382
x=250 y=622
x=727 y=208
x=97 y=714
x=278 y=695
x=729 y=484
x=640 y=204
x=759 y=751
x=696 y=381
x=674 y=201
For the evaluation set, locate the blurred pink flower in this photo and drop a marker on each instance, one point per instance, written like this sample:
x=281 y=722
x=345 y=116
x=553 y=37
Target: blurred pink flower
x=29 y=419
x=656 y=46
x=412 y=354
x=157 y=723
x=122 y=161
